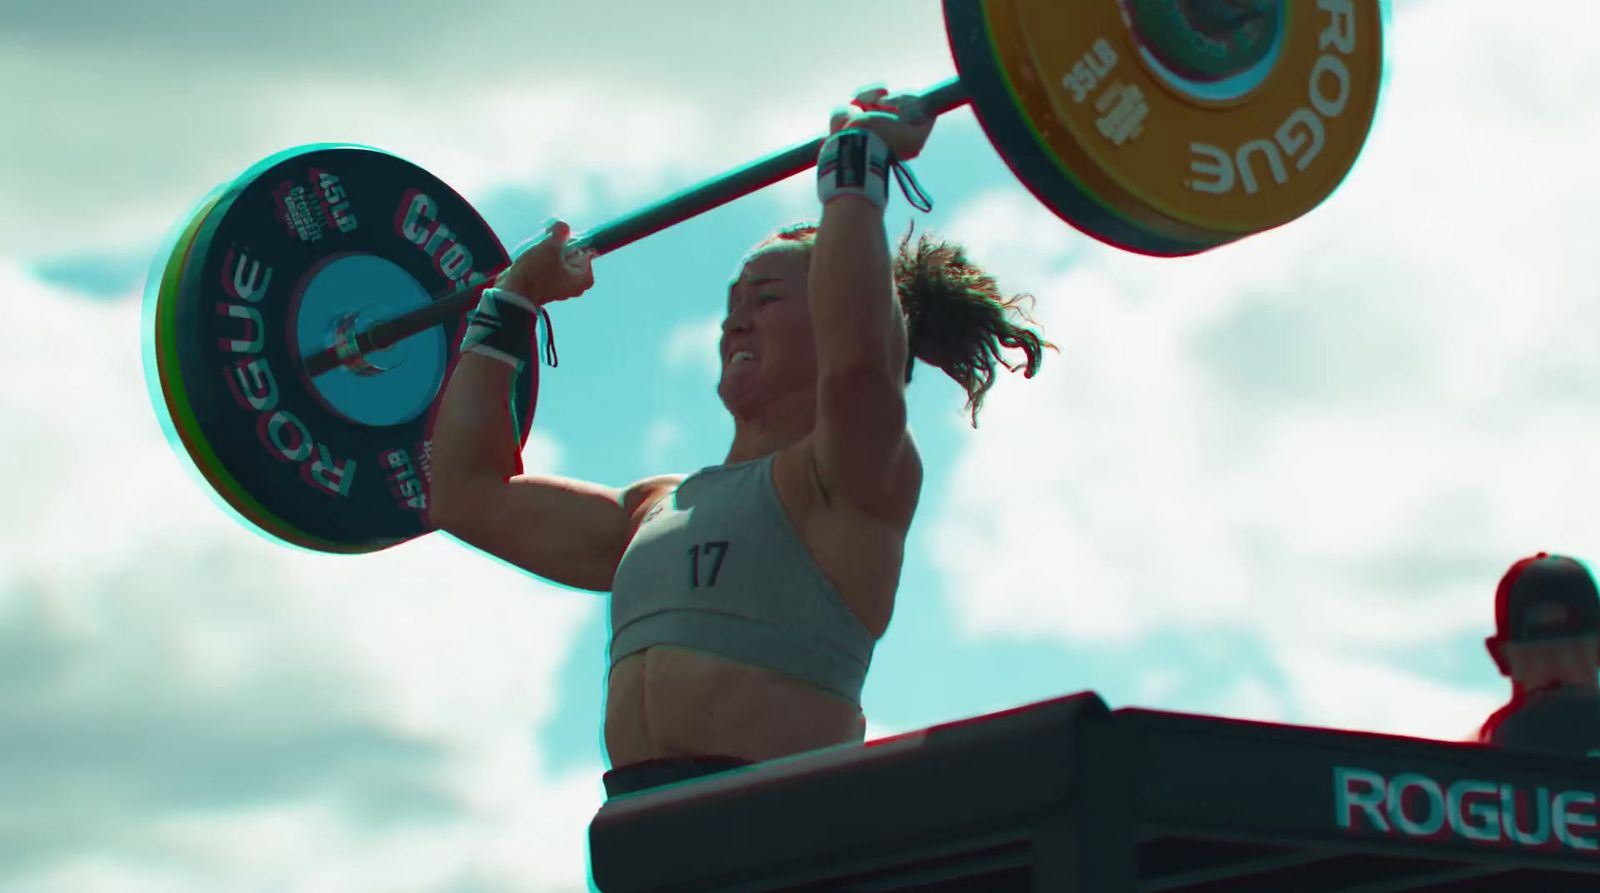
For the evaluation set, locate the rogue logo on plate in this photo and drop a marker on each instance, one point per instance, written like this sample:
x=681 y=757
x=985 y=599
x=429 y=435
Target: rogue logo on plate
x=279 y=267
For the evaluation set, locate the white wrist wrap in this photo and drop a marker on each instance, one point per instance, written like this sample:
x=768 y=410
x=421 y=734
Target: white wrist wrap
x=854 y=161
x=501 y=326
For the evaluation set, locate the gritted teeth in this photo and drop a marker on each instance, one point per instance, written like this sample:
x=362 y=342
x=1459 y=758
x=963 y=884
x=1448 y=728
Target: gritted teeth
x=740 y=355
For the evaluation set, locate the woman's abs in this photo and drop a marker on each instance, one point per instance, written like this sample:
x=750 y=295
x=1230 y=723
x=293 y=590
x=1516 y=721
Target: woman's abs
x=667 y=701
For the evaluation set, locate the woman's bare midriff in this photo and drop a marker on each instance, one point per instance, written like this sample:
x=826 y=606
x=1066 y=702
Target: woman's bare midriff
x=668 y=701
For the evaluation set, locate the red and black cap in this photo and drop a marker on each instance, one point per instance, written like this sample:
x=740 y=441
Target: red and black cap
x=1546 y=597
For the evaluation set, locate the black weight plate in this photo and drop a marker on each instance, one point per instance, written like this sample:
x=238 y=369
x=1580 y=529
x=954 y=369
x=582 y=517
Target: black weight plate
x=309 y=239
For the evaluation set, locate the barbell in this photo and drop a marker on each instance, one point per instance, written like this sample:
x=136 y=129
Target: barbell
x=306 y=314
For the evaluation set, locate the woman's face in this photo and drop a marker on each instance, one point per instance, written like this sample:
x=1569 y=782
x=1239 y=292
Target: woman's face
x=768 y=349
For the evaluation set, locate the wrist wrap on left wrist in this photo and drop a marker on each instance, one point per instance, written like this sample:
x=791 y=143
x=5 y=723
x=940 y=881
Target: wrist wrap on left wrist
x=855 y=161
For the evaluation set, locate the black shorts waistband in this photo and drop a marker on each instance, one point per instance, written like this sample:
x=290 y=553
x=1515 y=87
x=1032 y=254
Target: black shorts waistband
x=655 y=773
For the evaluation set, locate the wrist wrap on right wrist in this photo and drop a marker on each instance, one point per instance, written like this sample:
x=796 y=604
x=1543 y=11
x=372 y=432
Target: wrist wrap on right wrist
x=502 y=327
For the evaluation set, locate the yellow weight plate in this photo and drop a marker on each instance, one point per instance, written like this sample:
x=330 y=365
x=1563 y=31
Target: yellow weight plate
x=1229 y=159
x=1060 y=170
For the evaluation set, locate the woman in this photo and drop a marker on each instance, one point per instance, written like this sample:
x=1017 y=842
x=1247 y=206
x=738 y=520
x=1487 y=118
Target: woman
x=747 y=597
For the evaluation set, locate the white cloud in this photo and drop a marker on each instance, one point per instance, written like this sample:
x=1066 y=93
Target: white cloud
x=1154 y=685
x=131 y=606
x=1355 y=470
x=660 y=440
x=542 y=454
x=1249 y=697
x=535 y=847
x=1348 y=691
x=695 y=344
x=1337 y=433
x=120 y=576
x=1005 y=229
x=558 y=106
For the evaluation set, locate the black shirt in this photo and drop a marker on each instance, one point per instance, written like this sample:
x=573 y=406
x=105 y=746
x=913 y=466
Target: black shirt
x=1564 y=720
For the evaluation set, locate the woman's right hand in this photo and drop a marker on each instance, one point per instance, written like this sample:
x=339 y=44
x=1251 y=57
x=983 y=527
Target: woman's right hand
x=548 y=270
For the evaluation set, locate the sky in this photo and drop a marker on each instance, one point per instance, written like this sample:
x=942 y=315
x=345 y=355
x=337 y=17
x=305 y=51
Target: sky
x=1275 y=481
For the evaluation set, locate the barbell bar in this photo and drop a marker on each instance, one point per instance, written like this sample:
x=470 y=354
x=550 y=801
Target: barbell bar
x=300 y=324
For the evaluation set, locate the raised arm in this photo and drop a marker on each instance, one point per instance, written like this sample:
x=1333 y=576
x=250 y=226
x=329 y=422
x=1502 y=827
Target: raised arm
x=568 y=531
x=861 y=438
x=861 y=354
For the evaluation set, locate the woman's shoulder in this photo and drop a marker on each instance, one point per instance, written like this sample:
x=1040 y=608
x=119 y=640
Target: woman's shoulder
x=641 y=495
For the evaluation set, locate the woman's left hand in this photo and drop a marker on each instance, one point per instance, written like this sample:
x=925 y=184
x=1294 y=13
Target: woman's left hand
x=898 y=119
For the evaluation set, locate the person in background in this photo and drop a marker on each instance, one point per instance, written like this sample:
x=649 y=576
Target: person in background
x=1547 y=642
